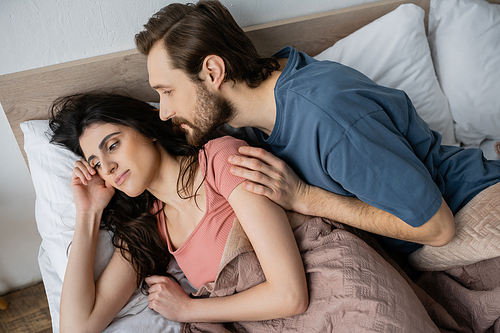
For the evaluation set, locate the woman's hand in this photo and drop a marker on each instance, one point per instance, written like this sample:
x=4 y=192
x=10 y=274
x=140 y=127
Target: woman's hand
x=167 y=298
x=90 y=192
x=267 y=175
x=87 y=306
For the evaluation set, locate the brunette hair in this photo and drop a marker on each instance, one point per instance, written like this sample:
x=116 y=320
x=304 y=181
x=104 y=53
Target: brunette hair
x=134 y=227
x=191 y=32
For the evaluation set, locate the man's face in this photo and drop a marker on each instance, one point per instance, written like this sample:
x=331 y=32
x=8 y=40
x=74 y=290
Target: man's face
x=189 y=104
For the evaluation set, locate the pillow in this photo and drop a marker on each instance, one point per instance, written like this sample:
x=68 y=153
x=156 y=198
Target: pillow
x=393 y=51
x=51 y=167
x=55 y=213
x=488 y=148
x=464 y=36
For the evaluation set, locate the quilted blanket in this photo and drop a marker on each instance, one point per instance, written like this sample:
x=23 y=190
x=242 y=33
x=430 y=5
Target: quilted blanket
x=477 y=235
x=351 y=287
x=465 y=299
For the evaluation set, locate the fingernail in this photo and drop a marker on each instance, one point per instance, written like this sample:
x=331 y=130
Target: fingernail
x=231 y=158
x=233 y=169
x=241 y=149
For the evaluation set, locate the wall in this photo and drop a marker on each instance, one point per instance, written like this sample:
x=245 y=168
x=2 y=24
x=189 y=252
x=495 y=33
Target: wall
x=37 y=33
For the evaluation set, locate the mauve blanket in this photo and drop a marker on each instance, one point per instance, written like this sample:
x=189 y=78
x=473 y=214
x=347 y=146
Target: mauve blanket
x=351 y=287
x=464 y=299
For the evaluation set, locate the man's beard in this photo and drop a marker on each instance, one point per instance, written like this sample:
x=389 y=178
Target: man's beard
x=210 y=112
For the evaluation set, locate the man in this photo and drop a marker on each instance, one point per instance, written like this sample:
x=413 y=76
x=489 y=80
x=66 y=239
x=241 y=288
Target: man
x=374 y=163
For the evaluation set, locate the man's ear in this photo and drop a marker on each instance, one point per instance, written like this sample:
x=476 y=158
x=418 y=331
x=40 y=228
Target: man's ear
x=213 y=71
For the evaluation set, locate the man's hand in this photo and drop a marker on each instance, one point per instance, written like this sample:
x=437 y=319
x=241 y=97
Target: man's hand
x=269 y=176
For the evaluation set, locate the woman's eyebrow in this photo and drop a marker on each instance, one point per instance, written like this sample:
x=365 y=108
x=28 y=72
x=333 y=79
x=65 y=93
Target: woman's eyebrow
x=91 y=157
x=103 y=141
x=106 y=138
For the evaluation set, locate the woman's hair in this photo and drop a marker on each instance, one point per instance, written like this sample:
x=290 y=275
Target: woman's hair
x=134 y=227
x=190 y=32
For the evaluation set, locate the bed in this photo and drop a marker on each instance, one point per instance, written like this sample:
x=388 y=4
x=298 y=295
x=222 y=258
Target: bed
x=409 y=45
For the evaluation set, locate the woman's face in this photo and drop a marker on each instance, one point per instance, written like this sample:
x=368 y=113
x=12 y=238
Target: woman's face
x=123 y=157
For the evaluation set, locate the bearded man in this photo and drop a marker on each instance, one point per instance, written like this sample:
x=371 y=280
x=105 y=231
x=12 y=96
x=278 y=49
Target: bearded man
x=368 y=160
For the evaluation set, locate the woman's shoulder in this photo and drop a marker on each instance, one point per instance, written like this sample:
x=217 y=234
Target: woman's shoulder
x=217 y=151
x=217 y=167
x=224 y=143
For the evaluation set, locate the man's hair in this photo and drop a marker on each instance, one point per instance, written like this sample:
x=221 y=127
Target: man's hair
x=191 y=32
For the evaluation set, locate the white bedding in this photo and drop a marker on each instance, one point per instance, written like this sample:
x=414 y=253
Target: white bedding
x=131 y=319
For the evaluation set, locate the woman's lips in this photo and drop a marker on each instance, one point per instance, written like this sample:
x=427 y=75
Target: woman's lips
x=121 y=178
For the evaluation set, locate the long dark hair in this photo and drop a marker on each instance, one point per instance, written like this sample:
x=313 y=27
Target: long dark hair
x=134 y=227
x=190 y=32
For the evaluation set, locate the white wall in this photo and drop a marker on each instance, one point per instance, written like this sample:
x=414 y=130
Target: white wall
x=37 y=33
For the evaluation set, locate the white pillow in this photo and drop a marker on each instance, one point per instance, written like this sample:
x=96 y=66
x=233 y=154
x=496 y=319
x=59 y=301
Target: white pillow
x=51 y=167
x=464 y=36
x=393 y=51
x=488 y=148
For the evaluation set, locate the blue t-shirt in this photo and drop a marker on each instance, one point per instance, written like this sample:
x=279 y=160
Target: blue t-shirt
x=342 y=132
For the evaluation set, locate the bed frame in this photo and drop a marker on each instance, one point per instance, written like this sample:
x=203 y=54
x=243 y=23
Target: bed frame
x=125 y=72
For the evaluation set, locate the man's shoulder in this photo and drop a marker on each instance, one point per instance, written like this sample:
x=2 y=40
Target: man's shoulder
x=312 y=76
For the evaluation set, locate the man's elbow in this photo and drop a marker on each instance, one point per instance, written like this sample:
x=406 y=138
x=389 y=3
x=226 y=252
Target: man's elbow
x=443 y=233
x=440 y=228
x=444 y=236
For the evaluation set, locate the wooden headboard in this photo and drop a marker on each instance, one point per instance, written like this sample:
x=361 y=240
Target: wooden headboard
x=125 y=72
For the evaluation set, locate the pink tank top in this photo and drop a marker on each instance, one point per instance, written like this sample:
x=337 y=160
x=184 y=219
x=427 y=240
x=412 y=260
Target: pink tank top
x=200 y=255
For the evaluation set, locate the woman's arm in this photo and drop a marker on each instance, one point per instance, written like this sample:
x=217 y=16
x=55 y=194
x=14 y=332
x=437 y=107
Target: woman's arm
x=283 y=294
x=87 y=306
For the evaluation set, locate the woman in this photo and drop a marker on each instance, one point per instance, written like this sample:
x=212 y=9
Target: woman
x=158 y=195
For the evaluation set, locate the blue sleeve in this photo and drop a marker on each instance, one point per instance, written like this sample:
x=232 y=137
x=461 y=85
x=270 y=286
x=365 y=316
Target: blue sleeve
x=375 y=162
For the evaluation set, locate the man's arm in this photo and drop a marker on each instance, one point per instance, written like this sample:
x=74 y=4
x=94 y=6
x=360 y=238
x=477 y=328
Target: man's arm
x=269 y=176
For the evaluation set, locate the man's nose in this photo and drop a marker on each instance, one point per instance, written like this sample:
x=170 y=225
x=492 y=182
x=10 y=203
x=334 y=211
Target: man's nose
x=165 y=112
